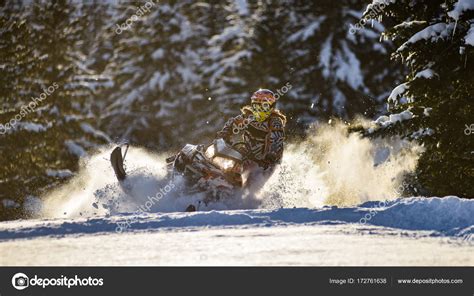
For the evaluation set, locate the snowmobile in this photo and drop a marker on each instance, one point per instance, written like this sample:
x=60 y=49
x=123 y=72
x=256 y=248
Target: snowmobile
x=217 y=169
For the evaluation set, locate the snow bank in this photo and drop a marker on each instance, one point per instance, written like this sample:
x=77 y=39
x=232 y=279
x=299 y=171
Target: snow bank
x=448 y=216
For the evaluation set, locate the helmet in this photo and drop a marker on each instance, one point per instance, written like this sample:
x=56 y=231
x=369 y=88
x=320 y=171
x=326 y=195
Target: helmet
x=263 y=103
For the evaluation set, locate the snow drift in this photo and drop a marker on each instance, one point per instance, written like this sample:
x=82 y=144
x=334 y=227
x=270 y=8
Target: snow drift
x=449 y=216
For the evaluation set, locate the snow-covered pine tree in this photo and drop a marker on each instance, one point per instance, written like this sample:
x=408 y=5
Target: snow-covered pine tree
x=41 y=60
x=17 y=60
x=338 y=71
x=306 y=44
x=434 y=106
x=156 y=67
x=231 y=67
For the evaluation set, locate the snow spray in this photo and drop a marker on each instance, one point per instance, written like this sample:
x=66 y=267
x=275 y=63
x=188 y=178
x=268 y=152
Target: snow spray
x=329 y=167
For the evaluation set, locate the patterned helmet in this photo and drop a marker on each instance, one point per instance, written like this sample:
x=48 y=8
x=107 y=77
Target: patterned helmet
x=263 y=102
x=263 y=96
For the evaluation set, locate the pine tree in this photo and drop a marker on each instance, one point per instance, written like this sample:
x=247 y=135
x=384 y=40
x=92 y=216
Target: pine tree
x=16 y=59
x=434 y=106
x=47 y=90
x=156 y=69
x=340 y=72
x=308 y=45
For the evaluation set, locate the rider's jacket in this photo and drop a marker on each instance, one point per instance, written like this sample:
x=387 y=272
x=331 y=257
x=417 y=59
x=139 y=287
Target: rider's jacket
x=263 y=140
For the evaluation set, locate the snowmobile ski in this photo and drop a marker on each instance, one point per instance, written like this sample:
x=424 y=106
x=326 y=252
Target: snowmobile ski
x=116 y=159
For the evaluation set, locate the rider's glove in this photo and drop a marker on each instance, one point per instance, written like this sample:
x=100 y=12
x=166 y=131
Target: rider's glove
x=271 y=157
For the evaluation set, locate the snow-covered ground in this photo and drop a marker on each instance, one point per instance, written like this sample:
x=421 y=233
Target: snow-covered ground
x=412 y=231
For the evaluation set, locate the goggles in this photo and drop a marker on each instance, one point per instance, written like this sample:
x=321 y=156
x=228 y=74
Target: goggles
x=262 y=107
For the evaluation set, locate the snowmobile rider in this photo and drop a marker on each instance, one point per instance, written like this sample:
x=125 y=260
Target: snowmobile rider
x=261 y=129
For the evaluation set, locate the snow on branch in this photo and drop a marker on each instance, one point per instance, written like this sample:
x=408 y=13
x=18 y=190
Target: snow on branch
x=397 y=92
x=460 y=8
x=431 y=33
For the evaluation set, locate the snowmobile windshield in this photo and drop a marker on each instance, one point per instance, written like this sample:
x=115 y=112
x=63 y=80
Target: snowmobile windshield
x=222 y=155
x=223 y=163
x=222 y=149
